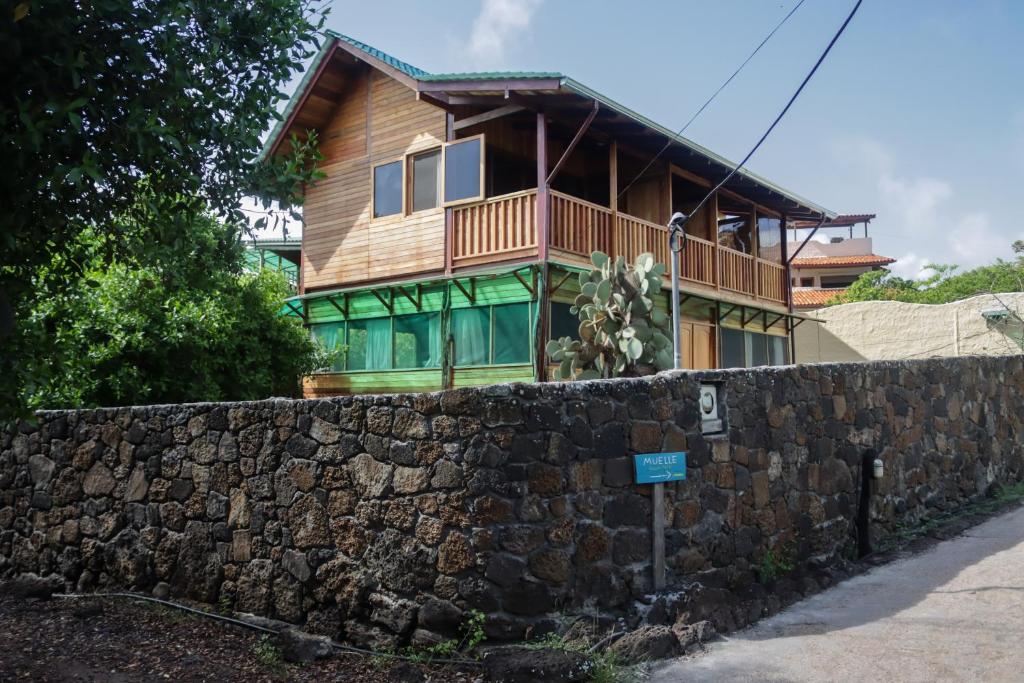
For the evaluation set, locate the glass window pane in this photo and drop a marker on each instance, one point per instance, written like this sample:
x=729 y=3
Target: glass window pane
x=563 y=322
x=758 y=349
x=462 y=170
x=733 y=355
x=769 y=239
x=778 y=350
x=471 y=329
x=387 y=189
x=331 y=337
x=512 y=333
x=424 y=180
x=369 y=344
x=418 y=340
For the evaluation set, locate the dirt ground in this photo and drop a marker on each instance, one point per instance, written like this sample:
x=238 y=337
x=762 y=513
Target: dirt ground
x=118 y=640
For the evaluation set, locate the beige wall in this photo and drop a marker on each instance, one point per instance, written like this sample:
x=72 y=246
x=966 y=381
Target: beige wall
x=889 y=330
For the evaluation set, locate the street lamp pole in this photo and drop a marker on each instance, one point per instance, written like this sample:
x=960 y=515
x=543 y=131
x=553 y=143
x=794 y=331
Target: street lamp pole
x=676 y=244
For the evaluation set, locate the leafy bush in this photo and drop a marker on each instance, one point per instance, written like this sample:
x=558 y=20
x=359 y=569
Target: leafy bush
x=179 y=324
x=622 y=333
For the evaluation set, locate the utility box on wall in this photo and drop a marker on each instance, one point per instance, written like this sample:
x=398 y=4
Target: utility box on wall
x=710 y=418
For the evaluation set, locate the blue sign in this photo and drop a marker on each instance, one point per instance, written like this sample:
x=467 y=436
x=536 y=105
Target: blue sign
x=655 y=468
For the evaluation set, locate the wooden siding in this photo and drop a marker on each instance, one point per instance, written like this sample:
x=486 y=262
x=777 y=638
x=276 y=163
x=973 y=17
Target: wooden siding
x=377 y=120
x=379 y=382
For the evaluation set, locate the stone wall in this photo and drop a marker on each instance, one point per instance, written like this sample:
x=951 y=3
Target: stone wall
x=381 y=519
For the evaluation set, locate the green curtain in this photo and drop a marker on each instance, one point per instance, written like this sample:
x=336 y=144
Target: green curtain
x=378 y=344
x=511 y=333
x=471 y=328
x=331 y=336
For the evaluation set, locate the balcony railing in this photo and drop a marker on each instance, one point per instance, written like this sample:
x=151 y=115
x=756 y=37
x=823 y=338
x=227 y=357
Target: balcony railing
x=496 y=229
x=505 y=227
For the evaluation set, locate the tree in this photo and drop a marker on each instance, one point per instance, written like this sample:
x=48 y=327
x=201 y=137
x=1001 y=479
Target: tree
x=943 y=284
x=164 y=324
x=622 y=332
x=100 y=95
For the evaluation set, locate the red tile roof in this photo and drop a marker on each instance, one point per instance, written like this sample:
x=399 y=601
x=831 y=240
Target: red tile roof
x=839 y=261
x=814 y=298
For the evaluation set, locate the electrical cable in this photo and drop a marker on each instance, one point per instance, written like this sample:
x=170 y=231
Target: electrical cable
x=713 y=96
x=778 y=118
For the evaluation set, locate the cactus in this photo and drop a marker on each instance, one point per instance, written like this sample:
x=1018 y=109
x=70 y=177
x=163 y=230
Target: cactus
x=621 y=331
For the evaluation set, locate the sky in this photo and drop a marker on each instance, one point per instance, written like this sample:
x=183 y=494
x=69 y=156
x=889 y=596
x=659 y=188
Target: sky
x=917 y=115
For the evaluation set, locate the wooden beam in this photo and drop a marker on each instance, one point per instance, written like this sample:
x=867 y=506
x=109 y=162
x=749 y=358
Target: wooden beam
x=415 y=302
x=575 y=141
x=561 y=282
x=542 y=187
x=296 y=311
x=529 y=288
x=490 y=85
x=488 y=116
x=343 y=311
x=723 y=316
x=387 y=304
x=471 y=295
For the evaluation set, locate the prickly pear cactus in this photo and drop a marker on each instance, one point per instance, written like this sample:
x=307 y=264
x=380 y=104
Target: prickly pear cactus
x=621 y=331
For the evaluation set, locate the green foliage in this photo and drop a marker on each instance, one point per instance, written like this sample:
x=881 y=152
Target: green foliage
x=268 y=654
x=161 y=325
x=603 y=665
x=98 y=95
x=943 y=284
x=775 y=566
x=622 y=333
x=472 y=635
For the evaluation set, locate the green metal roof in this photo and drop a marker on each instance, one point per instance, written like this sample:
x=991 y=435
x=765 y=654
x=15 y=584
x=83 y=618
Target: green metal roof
x=565 y=82
x=404 y=67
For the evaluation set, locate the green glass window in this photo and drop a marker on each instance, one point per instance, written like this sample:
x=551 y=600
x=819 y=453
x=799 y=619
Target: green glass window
x=471 y=330
x=511 y=333
x=733 y=343
x=463 y=170
x=387 y=189
x=331 y=336
x=425 y=180
x=369 y=344
x=563 y=322
x=492 y=335
x=418 y=340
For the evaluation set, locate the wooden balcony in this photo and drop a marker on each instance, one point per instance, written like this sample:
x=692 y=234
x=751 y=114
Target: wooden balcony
x=505 y=228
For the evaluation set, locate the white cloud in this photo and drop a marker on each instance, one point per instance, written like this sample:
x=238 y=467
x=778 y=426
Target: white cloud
x=498 y=24
x=921 y=215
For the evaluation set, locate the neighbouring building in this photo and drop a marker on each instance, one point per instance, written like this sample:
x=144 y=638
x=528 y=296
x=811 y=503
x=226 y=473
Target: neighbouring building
x=279 y=254
x=443 y=247
x=983 y=325
x=831 y=260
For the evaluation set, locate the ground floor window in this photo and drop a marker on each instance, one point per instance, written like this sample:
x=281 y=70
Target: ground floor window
x=398 y=342
x=492 y=335
x=562 y=322
x=745 y=349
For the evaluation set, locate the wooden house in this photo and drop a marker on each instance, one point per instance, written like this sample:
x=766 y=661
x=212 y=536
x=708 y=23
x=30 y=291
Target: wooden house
x=443 y=247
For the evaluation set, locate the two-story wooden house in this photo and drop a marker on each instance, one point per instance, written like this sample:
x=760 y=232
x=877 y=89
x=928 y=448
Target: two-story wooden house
x=442 y=248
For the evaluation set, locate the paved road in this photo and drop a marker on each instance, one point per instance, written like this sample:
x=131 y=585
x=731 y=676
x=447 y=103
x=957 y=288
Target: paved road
x=953 y=613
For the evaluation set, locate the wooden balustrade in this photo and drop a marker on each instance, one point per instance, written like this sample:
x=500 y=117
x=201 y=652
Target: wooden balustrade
x=771 y=282
x=500 y=227
x=579 y=227
x=735 y=271
x=634 y=236
x=699 y=261
x=506 y=227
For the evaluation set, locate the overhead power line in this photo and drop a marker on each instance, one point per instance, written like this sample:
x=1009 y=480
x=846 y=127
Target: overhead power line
x=713 y=96
x=778 y=118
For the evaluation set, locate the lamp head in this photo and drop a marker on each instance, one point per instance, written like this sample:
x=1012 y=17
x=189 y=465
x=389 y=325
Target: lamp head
x=677 y=221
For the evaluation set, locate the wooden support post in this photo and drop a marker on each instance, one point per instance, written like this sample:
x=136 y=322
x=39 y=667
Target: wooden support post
x=543 y=214
x=658 y=535
x=449 y=216
x=613 y=194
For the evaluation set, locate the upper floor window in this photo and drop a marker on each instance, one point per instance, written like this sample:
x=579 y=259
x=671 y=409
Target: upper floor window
x=425 y=180
x=464 y=170
x=387 y=189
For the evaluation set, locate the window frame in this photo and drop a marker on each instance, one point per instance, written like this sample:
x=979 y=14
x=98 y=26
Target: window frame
x=409 y=187
x=490 y=332
x=481 y=195
x=373 y=190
